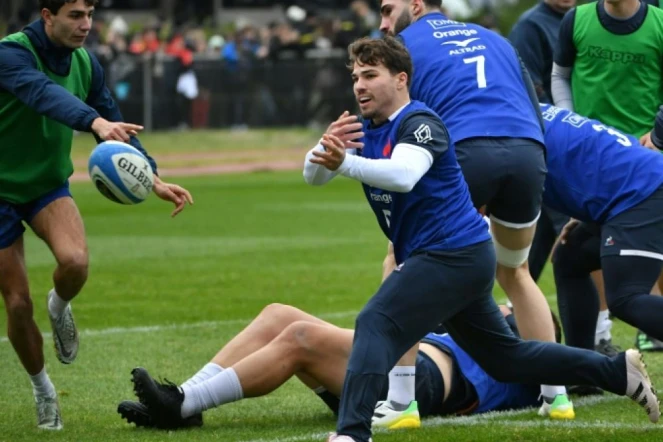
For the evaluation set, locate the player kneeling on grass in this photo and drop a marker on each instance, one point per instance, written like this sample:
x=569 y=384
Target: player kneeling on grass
x=49 y=86
x=283 y=342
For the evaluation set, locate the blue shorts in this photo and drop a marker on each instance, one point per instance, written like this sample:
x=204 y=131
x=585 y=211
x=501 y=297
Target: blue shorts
x=637 y=231
x=430 y=388
x=12 y=216
x=506 y=175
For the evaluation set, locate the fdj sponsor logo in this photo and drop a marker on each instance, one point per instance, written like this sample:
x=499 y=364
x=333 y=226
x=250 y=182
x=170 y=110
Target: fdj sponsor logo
x=381 y=197
x=615 y=56
x=140 y=176
x=439 y=24
x=455 y=33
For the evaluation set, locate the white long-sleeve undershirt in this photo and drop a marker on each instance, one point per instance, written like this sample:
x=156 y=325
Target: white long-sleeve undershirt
x=560 y=87
x=400 y=173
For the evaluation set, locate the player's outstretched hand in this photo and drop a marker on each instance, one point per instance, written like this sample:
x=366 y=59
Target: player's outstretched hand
x=113 y=131
x=172 y=192
x=348 y=129
x=572 y=224
x=334 y=153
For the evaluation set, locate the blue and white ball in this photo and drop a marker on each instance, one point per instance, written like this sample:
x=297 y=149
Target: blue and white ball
x=121 y=172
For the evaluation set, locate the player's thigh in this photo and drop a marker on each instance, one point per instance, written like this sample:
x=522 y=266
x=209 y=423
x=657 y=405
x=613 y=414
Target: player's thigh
x=634 y=233
x=429 y=288
x=482 y=331
x=328 y=350
x=581 y=254
x=517 y=203
x=13 y=275
x=56 y=220
x=637 y=231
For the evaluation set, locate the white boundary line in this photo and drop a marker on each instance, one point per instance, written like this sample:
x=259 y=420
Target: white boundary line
x=203 y=324
x=495 y=418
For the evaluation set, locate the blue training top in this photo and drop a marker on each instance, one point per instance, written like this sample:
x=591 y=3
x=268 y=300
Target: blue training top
x=472 y=78
x=437 y=214
x=595 y=172
x=492 y=395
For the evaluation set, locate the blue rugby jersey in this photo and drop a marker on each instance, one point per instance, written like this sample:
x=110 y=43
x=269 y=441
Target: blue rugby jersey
x=472 y=78
x=492 y=395
x=437 y=214
x=595 y=172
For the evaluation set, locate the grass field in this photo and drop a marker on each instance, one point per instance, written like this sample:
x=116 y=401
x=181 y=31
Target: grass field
x=167 y=293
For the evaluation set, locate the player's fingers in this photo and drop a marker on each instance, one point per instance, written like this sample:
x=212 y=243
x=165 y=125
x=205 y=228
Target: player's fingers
x=319 y=154
x=123 y=136
x=352 y=136
x=185 y=193
x=179 y=208
x=319 y=161
x=354 y=145
x=336 y=141
x=119 y=136
x=345 y=121
x=347 y=129
x=182 y=194
x=129 y=126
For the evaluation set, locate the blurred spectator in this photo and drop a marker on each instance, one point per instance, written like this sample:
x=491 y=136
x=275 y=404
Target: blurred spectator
x=187 y=82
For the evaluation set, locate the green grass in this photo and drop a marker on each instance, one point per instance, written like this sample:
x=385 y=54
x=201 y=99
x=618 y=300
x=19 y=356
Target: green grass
x=249 y=240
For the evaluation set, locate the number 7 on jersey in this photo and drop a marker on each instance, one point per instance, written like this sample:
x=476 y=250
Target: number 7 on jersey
x=481 y=69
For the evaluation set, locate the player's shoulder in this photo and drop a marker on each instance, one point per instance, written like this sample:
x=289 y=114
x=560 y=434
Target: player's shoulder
x=420 y=118
x=421 y=127
x=16 y=51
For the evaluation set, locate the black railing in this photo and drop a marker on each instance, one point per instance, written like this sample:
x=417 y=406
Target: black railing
x=260 y=93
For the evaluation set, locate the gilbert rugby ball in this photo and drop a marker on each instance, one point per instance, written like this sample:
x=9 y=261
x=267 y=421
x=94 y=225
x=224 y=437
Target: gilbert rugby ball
x=120 y=172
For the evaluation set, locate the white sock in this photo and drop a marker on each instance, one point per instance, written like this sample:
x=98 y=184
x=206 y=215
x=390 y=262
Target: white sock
x=218 y=390
x=209 y=370
x=56 y=305
x=550 y=391
x=401 y=384
x=42 y=385
x=603 y=327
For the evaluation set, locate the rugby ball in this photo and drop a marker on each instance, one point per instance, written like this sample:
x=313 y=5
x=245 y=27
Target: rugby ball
x=120 y=172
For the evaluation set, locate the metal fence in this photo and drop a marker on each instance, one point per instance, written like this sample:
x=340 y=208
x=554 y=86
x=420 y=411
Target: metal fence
x=262 y=93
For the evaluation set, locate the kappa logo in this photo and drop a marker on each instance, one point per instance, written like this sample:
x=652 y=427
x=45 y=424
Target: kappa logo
x=423 y=134
x=460 y=44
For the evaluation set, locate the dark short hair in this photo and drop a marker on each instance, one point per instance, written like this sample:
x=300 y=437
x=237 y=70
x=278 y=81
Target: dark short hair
x=386 y=50
x=429 y=3
x=55 y=5
x=433 y=3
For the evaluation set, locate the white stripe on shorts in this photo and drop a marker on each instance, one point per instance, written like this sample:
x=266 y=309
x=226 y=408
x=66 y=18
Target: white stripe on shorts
x=514 y=225
x=641 y=253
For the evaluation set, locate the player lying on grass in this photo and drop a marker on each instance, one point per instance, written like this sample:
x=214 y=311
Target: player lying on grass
x=284 y=341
